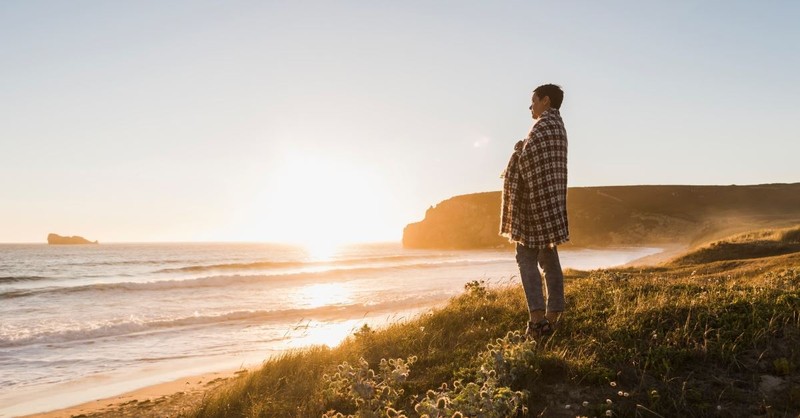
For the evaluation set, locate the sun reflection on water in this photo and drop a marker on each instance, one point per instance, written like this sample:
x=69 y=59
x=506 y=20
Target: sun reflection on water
x=322 y=294
x=322 y=250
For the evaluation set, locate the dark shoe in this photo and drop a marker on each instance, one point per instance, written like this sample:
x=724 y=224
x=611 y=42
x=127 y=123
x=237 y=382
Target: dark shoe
x=539 y=329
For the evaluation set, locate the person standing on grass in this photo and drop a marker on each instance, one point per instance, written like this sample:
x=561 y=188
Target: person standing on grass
x=534 y=209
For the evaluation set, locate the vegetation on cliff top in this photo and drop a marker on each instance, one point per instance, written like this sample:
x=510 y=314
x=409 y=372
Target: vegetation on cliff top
x=749 y=245
x=682 y=339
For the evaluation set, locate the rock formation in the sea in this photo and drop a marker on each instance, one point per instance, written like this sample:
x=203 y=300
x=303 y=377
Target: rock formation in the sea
x=619 y=215
x=55 y=239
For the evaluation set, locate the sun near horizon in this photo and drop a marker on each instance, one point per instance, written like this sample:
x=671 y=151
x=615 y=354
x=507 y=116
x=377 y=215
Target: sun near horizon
x=322 y=124
x=321 y=203
x=315 y=201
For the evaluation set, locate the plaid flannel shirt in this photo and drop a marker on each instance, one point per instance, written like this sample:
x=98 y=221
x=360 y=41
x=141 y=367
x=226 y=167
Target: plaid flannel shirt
x=534 y=209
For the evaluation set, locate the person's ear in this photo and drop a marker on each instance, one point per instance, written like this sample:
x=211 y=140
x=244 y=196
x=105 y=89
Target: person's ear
x=546 y=101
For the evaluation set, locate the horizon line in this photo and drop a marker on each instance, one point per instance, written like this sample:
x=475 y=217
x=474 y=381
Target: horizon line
x=202 y=242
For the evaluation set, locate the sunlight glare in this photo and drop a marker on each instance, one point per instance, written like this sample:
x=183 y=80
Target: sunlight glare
x=322 y=294
x=319 y=201
x=322 y=249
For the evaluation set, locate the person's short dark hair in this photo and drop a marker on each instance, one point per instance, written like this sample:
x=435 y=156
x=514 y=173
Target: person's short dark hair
x=552 y=91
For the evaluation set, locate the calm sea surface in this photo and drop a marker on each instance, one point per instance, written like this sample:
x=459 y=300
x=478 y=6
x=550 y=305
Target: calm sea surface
x=82 y=322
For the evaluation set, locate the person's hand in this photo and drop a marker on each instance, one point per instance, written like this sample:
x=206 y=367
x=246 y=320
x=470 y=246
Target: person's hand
x=518 y=145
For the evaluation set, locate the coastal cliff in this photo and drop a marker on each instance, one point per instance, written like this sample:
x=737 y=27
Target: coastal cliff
x=618 y=215
x=55 y=239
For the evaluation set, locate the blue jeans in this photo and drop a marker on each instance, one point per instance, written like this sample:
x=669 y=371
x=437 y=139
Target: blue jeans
x=529 y=260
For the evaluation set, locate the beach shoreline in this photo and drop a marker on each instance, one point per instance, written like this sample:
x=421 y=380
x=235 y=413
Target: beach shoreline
x=667 y=253
x=162 y=399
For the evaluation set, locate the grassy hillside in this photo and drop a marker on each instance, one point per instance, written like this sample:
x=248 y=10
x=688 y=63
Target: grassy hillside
x=619 y=215
x=717 y=338
x=749 y=245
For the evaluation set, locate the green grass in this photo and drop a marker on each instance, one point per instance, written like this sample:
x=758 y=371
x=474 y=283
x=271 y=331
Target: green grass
x=676 y=340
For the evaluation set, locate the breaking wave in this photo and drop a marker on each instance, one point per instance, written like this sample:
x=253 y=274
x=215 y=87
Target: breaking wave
x=17 y=279
x=128 y=327
x=260 y=265
x=234 y=280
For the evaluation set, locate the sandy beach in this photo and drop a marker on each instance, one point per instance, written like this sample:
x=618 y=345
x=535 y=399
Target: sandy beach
x=667 y=253
x=162 y=400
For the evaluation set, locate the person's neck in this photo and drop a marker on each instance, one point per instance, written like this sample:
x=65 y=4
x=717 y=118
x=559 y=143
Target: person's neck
x=544 y=112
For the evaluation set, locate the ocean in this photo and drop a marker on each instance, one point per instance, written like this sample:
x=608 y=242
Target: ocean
x=78 y=323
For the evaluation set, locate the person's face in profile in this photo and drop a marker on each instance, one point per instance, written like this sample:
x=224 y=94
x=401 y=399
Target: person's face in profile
x=539 y=105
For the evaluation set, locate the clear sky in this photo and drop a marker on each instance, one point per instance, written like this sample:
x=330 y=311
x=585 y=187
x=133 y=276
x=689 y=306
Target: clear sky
x=308 y=120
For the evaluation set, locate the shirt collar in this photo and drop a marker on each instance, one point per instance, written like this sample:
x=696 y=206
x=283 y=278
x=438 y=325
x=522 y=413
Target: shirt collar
x=551 y=111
